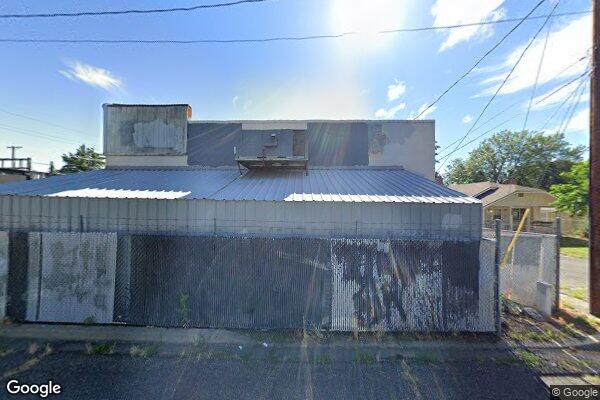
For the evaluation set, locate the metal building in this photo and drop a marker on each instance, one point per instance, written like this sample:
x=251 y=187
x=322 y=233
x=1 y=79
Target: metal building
x=317 y=178
x=334 y=225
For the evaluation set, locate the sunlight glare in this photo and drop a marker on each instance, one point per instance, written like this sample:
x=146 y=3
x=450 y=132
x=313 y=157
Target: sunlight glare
x=368 y=16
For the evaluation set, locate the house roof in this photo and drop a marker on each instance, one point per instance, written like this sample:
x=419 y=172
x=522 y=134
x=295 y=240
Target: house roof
x=320 y=184
x=490 y=192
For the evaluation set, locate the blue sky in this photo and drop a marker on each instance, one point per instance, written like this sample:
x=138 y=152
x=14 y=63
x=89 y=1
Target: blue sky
x=60 y=87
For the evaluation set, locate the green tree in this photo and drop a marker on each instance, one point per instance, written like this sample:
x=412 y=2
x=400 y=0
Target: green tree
x=532 y=158
x=573 y=195
x=84 y=159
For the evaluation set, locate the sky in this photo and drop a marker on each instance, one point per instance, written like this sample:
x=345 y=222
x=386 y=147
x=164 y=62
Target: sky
x=52 y=93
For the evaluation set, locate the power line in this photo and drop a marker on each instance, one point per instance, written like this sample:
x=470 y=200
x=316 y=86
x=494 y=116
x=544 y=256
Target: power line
x=130 y=11
x=269 y=39
x=497 y=90
x=25 y=131
x=569 y=115
x=40 y=120
x=537 y=74
x=456 y=82
x=561 y=105
x=519 y=102
x=510 y=119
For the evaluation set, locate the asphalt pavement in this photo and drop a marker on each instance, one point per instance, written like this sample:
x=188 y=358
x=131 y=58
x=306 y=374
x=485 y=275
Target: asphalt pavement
x=264 y=372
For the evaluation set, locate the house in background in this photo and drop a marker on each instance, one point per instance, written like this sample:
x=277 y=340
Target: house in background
x=18 y=169
x=508 y=202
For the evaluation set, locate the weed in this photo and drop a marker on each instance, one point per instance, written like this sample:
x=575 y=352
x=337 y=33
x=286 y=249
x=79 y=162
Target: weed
x=184 y=309
x=517 y=336
x=534 y=336
x=577 y=293
x=570 y=330
x=244 y=357
x=100 y=348
x=364 y=358
x=588 y=322
x=592 y=379
x=143 y=352
x=528 y=358
x=90 y=320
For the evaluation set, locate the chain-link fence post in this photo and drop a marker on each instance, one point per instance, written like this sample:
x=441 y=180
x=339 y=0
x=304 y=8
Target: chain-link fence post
x=497 y=227
x=557 y=283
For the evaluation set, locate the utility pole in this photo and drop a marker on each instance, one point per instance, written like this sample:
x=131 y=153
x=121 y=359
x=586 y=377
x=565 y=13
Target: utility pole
x=13 y=150
x=594 y=205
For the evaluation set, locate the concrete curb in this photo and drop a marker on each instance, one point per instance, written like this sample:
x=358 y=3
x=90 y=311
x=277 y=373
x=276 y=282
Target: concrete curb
x=133 y=334
x=194 y=336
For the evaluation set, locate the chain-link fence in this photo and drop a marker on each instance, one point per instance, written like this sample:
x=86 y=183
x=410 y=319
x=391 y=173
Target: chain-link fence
x=338 y=284
x=530 y=273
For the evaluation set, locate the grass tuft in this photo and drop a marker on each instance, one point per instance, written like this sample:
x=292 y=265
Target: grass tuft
x=143 y=351
x=100 y=348
x=529 y=358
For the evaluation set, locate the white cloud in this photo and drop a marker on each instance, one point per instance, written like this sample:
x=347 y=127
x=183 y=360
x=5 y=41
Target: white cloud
x=453 y=12
x=423 y=109
x=91 y=75
x=467 y=119
x=579 y=123
x=566 y=44
x=395 y=90
x=389 y=113
x=242 y=104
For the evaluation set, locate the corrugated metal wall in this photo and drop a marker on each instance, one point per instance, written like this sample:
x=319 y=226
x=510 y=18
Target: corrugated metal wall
x=71 y=277
x=229 y=282
x=253 y=282
x=405 y=285
x=185 y=216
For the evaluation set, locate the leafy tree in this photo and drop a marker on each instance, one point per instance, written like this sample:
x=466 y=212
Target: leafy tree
x=531 y=158
x=572 y=197
x=84 y=159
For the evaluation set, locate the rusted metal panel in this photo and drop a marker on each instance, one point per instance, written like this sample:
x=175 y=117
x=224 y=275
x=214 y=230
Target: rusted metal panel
x=401 y=285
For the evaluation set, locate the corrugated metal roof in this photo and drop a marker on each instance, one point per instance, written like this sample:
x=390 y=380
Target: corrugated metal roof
x=340 y=185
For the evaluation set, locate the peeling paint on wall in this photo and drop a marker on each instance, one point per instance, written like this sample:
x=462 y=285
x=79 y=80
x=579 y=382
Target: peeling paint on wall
x=260 y=282
x=131 y=130
x=77 y=277
x=156 y=134
x=403 y=285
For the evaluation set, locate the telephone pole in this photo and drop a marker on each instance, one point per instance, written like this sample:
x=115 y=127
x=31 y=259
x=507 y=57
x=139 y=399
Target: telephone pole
x=594 y=205
x=13 y=150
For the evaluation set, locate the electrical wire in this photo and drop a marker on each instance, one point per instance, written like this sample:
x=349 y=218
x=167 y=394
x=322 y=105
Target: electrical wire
x=25 y=131
x=445 y=158
x=130 y=11
x=40 y=120
x=267 y=39
x=569 y=115
x=456 y=82
x=537 y=74
x=559 y=107
x=514 y=116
